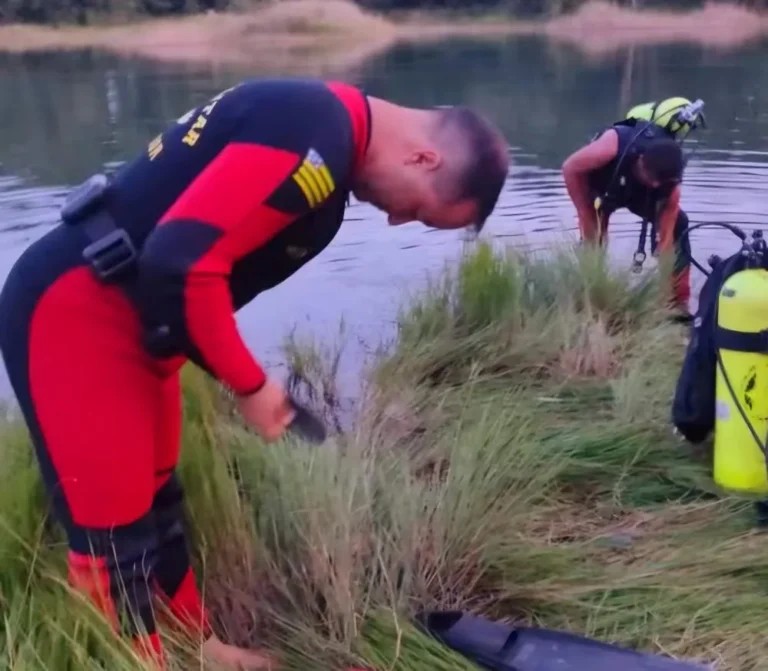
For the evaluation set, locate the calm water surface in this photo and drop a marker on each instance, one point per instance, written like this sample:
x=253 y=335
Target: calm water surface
x=63 y=116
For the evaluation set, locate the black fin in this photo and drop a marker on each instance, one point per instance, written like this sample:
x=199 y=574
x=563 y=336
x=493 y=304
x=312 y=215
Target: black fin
x=498 y=647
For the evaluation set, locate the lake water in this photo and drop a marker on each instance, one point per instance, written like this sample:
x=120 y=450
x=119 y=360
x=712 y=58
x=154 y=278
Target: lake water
x=64 y=116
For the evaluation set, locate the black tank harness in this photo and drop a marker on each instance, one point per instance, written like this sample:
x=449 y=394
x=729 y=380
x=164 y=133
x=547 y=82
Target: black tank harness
x=616 y=180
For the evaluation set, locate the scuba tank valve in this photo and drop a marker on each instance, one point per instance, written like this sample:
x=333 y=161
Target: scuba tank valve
x=691 y=114
x=687 y=119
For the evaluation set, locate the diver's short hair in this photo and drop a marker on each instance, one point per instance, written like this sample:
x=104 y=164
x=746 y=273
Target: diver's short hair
x=664 y=160
x=483 y=159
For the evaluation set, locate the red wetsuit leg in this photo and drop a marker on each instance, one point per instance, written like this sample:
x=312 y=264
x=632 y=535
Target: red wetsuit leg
x=96 y=398
x=173 y=571
x=168 y=430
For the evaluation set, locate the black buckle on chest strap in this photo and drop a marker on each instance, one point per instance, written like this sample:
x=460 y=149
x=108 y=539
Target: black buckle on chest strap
x=111 y=251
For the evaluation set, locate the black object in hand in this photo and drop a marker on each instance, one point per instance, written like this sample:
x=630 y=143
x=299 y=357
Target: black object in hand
x=306 y=424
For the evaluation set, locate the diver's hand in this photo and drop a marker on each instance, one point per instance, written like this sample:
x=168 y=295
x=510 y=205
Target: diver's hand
x=267 y=411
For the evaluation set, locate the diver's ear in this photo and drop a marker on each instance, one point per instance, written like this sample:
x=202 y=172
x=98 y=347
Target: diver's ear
x=425 y=158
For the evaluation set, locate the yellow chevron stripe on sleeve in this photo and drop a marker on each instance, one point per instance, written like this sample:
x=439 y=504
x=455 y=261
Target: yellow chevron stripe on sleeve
x=314 y=179
x=327 y=177
x=310 y=178
x=305 y=189
x=323 y=184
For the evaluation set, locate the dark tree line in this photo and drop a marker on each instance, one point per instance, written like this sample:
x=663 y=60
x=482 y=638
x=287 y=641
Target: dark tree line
x=81 y=11
x=539 y=7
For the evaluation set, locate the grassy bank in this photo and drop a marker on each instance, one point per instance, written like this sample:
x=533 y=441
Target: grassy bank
x=512 y=456
x=318 y=35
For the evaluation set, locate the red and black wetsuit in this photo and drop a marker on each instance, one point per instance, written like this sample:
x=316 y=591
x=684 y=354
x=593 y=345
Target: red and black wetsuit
x=230 y=200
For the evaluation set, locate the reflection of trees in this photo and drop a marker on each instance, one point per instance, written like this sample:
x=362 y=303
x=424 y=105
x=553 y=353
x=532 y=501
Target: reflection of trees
x=625 y=95
x=65 y=115
x=550 y=99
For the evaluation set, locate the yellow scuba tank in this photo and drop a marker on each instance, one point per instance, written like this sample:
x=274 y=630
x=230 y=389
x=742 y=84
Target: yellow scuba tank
x=678 y=115
x=739 y=460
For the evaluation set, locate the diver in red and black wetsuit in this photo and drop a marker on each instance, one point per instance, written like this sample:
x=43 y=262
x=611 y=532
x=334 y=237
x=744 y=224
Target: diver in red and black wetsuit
x=147 y=272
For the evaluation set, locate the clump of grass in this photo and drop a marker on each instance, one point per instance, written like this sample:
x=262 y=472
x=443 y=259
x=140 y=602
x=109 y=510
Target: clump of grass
x=501 y=466
x=506 y=315
x=390 y=642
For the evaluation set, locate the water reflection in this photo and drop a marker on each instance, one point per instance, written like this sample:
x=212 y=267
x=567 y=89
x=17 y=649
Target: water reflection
x=65 y=115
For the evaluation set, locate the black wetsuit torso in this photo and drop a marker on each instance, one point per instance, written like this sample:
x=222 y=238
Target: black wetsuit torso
x=247 y=189
x=617 y=187
x=616 y=183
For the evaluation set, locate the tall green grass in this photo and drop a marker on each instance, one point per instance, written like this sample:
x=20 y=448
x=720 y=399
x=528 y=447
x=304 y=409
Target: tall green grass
x=513 y=457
